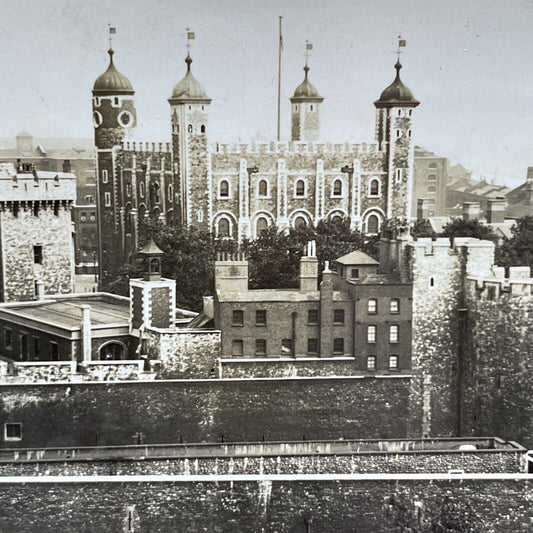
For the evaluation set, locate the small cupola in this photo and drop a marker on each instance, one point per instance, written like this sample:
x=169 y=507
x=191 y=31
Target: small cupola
x=112 y=82
x=189 y=89
x=397 y=94
x=306 y=91
x=152 y=260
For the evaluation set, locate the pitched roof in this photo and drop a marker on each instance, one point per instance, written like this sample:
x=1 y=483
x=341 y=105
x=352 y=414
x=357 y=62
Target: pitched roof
x=356 y=258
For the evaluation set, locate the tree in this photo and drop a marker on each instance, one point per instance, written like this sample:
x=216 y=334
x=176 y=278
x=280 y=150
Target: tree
x=421 y=229
x=518 y=250
x=468 y=228
x=189 y=256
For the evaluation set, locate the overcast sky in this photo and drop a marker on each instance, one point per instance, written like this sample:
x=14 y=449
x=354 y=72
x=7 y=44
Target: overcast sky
x=469 y=63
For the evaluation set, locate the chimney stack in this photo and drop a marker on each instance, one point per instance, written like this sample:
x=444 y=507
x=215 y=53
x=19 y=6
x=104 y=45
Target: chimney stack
x=496 y=210
x=309 y=269
x=471 y=210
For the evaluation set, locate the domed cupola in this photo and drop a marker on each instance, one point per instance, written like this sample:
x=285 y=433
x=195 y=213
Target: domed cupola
x=189 y=89
x=396 y=94
x=112 y=82
x=306 y=91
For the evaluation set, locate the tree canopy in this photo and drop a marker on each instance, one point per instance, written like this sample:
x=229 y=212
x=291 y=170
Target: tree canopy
x=518 y=250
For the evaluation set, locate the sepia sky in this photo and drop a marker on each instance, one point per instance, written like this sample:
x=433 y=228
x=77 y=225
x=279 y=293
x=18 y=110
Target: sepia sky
x=469 y=63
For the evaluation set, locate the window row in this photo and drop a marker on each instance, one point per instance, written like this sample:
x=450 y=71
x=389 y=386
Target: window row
x=300 y=189
x=237 y=347
x=92 y=216
x=394 y=362
x=372 y=306
x=394 y=333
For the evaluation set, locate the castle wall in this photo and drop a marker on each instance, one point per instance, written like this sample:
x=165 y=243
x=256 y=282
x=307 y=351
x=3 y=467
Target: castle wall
x=499 y=351
x=85 y=414
x=259 y=504
x=19 y=234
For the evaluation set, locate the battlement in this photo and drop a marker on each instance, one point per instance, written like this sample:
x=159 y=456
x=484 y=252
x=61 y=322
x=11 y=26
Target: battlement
x=145 y=146
x=518 y=283
x=295 y=147
x=37 y=185
x=444 y=245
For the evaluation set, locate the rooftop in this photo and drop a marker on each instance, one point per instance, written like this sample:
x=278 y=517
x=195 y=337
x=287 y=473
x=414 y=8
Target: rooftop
x=66 y=311
x=356 y=258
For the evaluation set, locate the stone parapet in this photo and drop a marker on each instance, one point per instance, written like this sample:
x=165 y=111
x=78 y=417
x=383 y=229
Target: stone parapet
x=145 y=146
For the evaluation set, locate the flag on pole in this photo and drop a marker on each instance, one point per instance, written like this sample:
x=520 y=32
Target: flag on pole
x=190 y=35
x=112 y=30
x=402 y=43
x=309 y=46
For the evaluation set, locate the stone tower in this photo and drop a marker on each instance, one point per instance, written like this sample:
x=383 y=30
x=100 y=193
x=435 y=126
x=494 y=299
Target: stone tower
x=36 y=245
x=394 y=111
x=114 y=117
x=189 y=105
x=305 y=111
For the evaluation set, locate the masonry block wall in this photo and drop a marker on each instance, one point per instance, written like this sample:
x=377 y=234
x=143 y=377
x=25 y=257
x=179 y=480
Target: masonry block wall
x=72 y=414
x=256 y=505
x=36 y=224
x=497 y=395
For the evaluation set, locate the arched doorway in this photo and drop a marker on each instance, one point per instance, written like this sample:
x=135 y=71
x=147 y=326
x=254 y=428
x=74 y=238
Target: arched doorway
x=112 y=351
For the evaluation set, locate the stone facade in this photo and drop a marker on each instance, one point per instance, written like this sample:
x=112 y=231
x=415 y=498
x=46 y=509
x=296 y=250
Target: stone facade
x=36 y=239
x=259 y=504
x=236 y=191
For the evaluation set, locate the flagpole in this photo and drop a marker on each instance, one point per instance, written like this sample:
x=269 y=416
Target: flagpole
x=279 y=76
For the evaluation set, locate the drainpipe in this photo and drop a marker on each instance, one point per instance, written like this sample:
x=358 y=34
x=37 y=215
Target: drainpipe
x=86 y=340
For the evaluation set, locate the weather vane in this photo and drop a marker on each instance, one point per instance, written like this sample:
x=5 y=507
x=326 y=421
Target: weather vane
x=112 y=31
x=401 y=44
x=190 y=37
x=308 y=47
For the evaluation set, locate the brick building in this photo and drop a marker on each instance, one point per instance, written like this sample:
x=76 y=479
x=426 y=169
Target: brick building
x=236 y=191
x=365 y=320
x=37 y=252
x=429 y=183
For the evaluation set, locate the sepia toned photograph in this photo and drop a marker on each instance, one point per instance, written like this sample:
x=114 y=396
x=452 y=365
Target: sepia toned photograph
x=266 y=267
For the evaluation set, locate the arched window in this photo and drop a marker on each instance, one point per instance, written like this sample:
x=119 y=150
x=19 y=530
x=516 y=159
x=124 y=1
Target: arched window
x=374 y=187
x=170 y=192
x=372 y=224
x=155 y=193
x=336 y=219
x=141 y=189
x=300 y=222
x=224 y=189
x=260 y=225
x=223 y=227
x=189 y=128
x=337 y=188
x=156 y=212
x=155 y=265
x=202 y=128
x=300 y=188
x=112 y=351
x=128 y=219
x=263 y=188
x=142 y=212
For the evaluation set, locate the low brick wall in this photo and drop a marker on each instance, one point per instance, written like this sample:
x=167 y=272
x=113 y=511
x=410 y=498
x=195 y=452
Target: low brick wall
x=284 y=505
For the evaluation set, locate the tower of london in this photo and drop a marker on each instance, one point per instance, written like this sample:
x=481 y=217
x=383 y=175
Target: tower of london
x=238 y=190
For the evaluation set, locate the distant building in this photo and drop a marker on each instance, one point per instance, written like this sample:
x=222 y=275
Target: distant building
x=429 y=182
x=237 y=191
x=74 y=156
x=37 y=251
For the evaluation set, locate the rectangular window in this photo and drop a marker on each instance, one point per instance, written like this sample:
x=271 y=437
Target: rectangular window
x=237 y=318
x=36 y=350
x=105 y=177
x=92 y=217
x=286 y=347
x=12 y=431
x=107 y=199
x=398 y=174
x=338 y=316
x=260 y=346
x=54 y=351
x=394 y=333
x=371 y=362
x=83 y=217
x=393 y=362
x=237 y=348
x=338 y=346
x=38 y=254
x=395 y=305
x=371 y=334
x=372 y=306
x=354 y=274
x=8 y=338
x=312 y=317
x=260 y=317
x=312 y=346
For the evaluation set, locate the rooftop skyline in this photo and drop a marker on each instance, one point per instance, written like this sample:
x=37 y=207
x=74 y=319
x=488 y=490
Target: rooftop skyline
x=466 y=64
